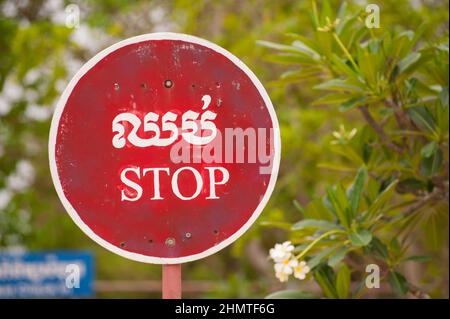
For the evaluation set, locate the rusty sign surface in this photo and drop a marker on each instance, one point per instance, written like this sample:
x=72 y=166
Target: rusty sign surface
x=164 y=148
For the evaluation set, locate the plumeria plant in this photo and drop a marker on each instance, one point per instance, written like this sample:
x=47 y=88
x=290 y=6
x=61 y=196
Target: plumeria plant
x=286 y=263
x=391 y=205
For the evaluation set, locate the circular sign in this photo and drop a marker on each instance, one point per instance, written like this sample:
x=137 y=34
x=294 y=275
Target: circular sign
x=164 y=148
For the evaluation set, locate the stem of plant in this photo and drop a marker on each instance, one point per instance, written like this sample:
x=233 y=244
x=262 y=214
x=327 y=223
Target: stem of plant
x=315 y=241
x=344 y=49
x=378 y=129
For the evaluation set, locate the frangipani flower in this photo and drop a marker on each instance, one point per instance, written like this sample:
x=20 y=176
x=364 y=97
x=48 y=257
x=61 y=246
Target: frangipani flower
x=286 y=263
x=342 y=136
x=281 y=252
x=285 y=268
x=300 y=270
x=330 y=26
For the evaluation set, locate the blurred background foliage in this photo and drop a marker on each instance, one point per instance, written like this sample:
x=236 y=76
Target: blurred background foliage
x=39 y=55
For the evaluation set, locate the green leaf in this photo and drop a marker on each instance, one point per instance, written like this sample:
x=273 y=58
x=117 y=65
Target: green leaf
x=377 y=248
x=360 y=237
x=326 y=279
x=381 y=200
x=367 y=152
x=314 y=15
x=435 y=226
x=291 y=294
x=326 y=11
x=428 y=149
x=372 y=191
x=344 y=202
x=339 y=204
x=300 y=248
x=298 y=206
x=314 y=223
x=343 y=282
x=342 y=10
x=290 y=58
x=275 y=224
x=352 y=103
x=403 y=42
x=367 y=62
x=443 y=96
x=305 y=49
x=422 y=117
x=338 y=256
x=431 y=165
x=398 y=283
x=394 y=246
x=408 y=61
x=299 y=75
x=331 y=99
x=281 y=47
x=410 y=184
x=355 y=190
x=308 y=42
x=317 y=210
x=339 y=85
x=417 y=258
x=343 y=67
x=336 y=167
x=317 y=259
x=346 y=29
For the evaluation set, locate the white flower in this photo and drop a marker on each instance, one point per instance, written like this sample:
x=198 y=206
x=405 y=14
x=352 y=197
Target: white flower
x=159 y=19
x=25 y=170
x=60 y=85
x=5 y=106
x=15 y=183
x=9 y=9
x=32 y=76
x=285 y=268
x=281 y=252
x=37 y=113
x=88 y=38
x=55 y=10
x=5 y=197
x=12 y=91
x=157 y=15
x=72 y=64
x=342 y=136
x=300 y=270
x=31 y=95
x=22 y=178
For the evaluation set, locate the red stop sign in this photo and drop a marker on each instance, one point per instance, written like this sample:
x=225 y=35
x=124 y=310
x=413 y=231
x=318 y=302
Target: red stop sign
x=164 y=148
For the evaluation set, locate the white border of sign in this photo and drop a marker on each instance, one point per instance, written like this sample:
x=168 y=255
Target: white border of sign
x=54 y=130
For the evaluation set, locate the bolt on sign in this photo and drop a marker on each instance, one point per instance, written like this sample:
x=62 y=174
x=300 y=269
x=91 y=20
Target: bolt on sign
x=164 y=148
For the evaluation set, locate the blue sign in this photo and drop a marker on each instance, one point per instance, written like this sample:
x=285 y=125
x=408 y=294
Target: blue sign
x=63 y=274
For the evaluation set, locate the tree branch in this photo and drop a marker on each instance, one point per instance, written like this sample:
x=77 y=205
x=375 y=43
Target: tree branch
x=429 y=198
x=417 y=292
x=378 y=129
x=400 y=115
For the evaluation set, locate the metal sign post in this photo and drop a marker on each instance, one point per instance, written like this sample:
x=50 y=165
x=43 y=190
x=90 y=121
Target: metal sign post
x=171 y=281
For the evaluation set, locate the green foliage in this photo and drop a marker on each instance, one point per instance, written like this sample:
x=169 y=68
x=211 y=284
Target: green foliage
x=384 y=197
x=395 y=82
x=290 y=294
